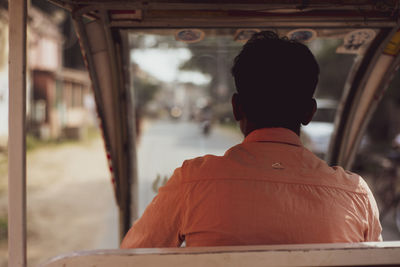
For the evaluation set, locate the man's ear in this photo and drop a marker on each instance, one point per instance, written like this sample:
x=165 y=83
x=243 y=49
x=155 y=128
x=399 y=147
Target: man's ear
x=237 y=107
x=309 y=114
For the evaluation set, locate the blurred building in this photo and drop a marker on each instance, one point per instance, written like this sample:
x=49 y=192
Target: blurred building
x=3 y=77
x=59 y=100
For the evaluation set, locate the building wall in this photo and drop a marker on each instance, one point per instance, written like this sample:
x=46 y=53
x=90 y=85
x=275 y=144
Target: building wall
x=3 y=77
x=55 y=96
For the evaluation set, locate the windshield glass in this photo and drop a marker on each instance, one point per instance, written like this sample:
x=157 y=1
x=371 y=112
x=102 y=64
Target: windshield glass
x=183 y=87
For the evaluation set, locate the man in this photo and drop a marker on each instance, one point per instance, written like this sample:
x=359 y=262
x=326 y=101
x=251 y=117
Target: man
x=269 y=189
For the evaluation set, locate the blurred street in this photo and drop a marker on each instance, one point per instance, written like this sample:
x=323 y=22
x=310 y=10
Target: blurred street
x=70 y=202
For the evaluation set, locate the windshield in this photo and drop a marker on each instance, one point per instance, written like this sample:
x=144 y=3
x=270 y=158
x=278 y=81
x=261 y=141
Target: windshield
x=183 y=88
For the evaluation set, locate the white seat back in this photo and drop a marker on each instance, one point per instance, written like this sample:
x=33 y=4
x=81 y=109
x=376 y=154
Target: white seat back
x=366 y=254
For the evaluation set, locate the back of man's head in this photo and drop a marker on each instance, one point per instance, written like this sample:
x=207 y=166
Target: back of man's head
x=275 y=79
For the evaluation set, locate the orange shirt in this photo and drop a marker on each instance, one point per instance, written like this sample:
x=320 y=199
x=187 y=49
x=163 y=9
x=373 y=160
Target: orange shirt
x=267 y=190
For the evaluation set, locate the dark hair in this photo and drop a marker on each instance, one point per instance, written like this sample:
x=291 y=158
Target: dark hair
x=275 y=79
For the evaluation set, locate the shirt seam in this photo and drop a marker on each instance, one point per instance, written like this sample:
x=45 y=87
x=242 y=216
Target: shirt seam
x=277 y=182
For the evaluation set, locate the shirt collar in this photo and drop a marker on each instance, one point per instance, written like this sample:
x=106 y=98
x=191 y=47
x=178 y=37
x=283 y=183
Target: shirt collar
x=275 y=135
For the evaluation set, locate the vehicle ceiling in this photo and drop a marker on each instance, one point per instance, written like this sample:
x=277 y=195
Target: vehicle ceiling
x=288 y=13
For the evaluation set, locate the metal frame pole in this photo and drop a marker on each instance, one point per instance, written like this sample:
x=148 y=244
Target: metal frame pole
x=16 y=134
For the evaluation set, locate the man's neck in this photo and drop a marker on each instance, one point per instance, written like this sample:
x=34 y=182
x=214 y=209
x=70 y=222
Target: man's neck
x=251 y=127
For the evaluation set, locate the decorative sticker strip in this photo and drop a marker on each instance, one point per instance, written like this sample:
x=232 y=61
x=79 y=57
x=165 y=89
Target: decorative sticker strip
x=243 y=35
x=302 y=35
x=189 y=35
x=393 y=47
x=356 y=42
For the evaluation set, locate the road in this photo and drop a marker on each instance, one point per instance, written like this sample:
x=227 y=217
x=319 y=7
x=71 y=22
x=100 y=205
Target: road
x=70 y=202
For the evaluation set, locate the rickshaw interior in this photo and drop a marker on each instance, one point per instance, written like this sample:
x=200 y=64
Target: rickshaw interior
x=160 y=72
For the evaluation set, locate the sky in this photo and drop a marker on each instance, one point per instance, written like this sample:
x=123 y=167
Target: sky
x=164 y=64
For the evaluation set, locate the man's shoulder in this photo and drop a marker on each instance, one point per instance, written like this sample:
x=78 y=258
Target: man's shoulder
x=319 y=173
x=208 y=167
x=350 y=181
x=200 y=166
x=208 y=162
